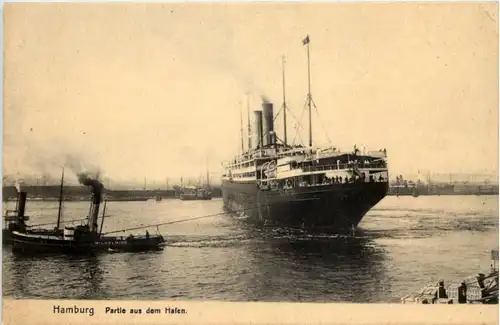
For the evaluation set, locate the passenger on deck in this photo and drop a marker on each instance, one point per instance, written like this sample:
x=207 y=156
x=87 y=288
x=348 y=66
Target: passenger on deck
x=147 y=234
x=462 y=293
x=441 y=290
x=286 y=185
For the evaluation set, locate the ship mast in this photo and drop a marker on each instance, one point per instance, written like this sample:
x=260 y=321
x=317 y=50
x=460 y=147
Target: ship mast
x=249 y=130
x=309 y=96
x=59 y=212
x=284 y=100
x=241 y=129
x=208 y=176
x=103 y=216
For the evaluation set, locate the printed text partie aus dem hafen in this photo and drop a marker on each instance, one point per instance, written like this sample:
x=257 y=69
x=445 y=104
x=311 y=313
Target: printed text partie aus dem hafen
x=90 y=311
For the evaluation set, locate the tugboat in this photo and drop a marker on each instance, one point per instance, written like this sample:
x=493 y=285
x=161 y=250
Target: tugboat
x=15 y=220
x=81 y=239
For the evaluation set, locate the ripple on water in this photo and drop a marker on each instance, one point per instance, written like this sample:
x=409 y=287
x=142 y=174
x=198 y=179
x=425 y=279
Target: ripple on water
x=401 y=244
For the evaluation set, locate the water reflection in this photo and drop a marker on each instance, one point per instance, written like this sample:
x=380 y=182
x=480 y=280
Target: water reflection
x=66 y=277
x=139 y=272
x=342 y=268
x=406 y=243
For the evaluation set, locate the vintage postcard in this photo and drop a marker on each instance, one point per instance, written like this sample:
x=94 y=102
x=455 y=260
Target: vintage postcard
x=237 y=163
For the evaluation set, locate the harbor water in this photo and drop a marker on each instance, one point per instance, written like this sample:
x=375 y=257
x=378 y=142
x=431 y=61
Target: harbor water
x=401 y=245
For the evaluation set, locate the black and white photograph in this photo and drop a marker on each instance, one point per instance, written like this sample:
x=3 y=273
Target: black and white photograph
x=299 y=152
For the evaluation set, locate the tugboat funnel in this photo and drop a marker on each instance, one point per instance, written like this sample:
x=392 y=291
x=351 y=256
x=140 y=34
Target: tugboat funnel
x=21 y=205
x=97 y=189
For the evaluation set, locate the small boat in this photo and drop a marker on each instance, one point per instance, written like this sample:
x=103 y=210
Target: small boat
x=82 y=239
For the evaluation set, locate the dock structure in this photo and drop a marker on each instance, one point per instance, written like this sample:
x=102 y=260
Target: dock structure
x=494 y=260
x=475 y=289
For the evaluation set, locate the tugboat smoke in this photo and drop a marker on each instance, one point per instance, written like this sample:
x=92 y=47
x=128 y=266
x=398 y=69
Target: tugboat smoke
x=97 y=187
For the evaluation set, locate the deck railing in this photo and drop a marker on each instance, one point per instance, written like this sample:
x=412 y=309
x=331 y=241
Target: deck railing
x=379 y=164
x=273 y=185
x=343 y=166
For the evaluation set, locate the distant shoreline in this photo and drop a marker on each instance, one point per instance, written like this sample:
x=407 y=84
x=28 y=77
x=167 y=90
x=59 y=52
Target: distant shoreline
x=81 y=193
x=53 y=199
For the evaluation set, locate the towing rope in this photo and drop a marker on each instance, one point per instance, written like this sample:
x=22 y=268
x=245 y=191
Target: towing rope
x=148 y=226
x=64 y=221
x=176 y=221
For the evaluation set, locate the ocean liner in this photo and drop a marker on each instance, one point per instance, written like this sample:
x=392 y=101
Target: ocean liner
x=316 y=189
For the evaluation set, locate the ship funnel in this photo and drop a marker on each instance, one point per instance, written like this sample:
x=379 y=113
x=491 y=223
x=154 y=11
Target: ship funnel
x=268 y=125
x=21 y=204
x=97 y=189
x=257 y=130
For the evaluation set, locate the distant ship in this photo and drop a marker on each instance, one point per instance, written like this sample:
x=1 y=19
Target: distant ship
x=319 y=189
x=195 y=193
x=127 y=199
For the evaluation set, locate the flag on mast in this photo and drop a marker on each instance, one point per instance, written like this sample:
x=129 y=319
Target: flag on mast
x=305 y=40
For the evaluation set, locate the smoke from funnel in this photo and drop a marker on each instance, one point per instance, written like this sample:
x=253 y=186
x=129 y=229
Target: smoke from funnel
x=264 y=99
x=97 y=187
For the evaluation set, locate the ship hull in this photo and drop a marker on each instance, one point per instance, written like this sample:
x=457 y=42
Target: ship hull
x=46 y=244
x=7 y=234
x=334 y=208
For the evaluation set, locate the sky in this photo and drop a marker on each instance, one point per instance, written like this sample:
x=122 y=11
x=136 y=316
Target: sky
x=156 y=90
